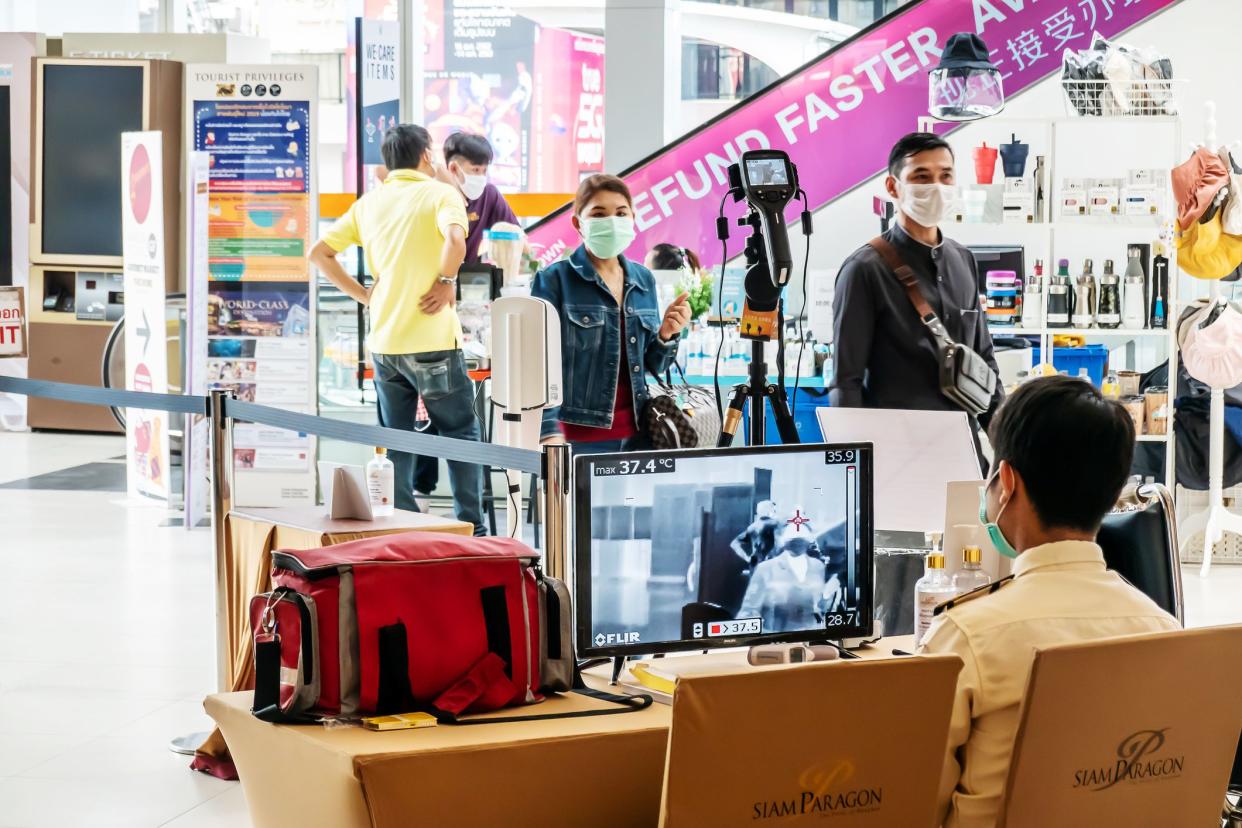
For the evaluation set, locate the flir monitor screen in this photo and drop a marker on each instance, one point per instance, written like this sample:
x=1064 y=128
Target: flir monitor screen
x=696 y=549
x=767 y=172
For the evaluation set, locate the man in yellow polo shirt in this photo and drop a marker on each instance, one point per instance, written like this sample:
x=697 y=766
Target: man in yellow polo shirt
x=413 y=229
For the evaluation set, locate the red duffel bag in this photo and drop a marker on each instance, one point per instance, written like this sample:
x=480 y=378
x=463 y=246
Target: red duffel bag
x=414 y=621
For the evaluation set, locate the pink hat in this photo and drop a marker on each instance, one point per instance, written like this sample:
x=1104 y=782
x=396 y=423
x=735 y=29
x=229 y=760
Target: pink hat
x=1214 y=354
x=1196 y=182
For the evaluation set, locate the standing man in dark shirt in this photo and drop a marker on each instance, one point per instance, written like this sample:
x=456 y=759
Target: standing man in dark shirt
x=467 y=158
x=884 y=356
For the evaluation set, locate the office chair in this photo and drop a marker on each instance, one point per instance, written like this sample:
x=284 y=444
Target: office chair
x=1139 y=539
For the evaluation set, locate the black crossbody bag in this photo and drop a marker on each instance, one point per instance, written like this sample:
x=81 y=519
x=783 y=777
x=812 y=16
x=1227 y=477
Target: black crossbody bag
x=965 y=377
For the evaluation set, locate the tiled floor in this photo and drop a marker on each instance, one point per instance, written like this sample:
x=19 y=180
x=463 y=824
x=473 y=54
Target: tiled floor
x=106 y=650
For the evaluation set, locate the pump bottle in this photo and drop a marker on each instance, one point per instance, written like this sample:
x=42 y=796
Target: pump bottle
x=971 y=576
x=380 y=484
x=933 y=589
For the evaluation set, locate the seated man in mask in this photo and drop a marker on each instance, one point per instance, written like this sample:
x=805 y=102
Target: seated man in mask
x=1042 y=508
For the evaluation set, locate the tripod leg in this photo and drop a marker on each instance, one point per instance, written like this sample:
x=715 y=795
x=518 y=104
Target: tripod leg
x=733 y=416
x=784 y=420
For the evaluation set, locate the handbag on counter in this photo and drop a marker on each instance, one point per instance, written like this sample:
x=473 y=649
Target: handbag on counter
x=965 y=377
x=679 y=416
x=417 y=621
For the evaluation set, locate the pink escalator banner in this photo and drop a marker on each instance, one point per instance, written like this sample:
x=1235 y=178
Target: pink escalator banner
x=838 y=117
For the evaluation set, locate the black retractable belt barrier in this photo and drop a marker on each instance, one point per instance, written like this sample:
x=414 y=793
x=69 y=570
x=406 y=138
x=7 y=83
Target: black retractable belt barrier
x=91 y=395
x=448 y=448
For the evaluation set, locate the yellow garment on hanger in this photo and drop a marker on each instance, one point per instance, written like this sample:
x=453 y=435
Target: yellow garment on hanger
x=1205 y=251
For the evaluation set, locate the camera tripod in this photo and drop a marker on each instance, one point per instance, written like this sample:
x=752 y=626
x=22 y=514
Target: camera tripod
x=763 y=298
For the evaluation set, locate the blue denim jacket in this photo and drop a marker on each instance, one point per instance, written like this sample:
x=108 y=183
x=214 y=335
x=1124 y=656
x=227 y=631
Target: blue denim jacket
x=590 y=338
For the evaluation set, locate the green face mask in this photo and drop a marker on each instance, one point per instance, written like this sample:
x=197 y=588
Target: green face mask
x=608 y=236
x=995 y=534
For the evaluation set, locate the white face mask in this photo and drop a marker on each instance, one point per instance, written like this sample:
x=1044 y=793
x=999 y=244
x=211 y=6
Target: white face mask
x=473 y=186
x=927 y=204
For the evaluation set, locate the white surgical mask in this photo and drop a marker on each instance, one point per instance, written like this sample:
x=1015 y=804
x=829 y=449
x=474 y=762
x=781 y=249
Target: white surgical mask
x=927 y=204
x=473 y=186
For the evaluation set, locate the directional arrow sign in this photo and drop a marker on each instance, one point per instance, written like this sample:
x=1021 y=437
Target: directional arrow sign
x=144 y=330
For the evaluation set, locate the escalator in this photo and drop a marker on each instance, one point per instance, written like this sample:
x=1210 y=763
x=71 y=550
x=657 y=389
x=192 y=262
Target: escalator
x=838 y=115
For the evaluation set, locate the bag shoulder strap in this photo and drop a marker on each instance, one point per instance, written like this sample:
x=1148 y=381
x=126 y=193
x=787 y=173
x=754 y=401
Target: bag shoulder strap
x=905 y=274
x=625 y=704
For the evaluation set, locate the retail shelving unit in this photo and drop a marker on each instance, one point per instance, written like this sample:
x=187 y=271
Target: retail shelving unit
x=1074 y=147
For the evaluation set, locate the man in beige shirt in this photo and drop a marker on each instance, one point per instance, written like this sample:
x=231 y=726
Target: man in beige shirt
x=1062 y=455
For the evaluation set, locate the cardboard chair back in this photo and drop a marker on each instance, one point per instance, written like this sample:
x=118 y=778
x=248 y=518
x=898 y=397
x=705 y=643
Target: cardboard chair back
x=1139 y=730
x=843 y=740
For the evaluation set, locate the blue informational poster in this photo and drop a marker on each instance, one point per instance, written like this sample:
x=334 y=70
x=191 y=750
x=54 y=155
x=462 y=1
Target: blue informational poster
x=379 y=45
x=256 y=146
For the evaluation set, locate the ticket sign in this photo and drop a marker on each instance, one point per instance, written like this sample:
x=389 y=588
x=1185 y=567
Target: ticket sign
x=12 y=322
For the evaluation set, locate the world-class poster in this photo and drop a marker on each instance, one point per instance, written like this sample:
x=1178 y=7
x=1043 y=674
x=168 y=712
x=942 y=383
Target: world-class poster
x=256 y=125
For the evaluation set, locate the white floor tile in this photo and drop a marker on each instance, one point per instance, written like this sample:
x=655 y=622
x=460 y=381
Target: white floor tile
x=144 y=801
x=26 y=455
x=229 y=808
x=22 y=751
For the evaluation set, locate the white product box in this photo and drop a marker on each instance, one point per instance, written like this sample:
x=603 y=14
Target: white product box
x=1147 y=179
x=1104 y=199
x=1137 y=201
x=1074 y=197
x=1018 y=202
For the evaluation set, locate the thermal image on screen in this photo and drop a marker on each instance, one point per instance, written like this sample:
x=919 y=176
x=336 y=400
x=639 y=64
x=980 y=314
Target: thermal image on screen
x=696 y=548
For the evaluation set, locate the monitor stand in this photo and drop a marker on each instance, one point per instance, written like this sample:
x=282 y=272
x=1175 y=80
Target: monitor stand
x=618 y=664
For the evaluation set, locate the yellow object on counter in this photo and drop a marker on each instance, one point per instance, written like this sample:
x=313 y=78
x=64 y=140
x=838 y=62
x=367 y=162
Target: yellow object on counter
x=1068 y=341
x=399 y=721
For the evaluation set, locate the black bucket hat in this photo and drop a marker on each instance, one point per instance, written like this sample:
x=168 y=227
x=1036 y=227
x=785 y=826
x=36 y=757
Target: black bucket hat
x=965 y=50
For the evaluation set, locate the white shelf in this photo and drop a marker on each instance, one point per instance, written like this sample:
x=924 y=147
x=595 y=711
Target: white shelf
x=1113 y=222
x=1153 y=438
x=1088 y=332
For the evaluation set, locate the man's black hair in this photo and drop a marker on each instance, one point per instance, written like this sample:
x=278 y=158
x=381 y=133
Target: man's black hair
x=473 y=148
x=913 y=144
x=1072 y=447
x=404 y=146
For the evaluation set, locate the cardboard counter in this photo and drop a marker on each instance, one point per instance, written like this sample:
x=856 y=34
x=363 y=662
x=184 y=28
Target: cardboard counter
x=251 y=535
x=602 y=771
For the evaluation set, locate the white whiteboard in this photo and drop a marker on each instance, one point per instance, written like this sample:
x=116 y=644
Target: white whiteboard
x=917 y=454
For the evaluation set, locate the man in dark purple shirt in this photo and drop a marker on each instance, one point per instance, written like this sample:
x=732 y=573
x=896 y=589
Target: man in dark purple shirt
x=468 y=157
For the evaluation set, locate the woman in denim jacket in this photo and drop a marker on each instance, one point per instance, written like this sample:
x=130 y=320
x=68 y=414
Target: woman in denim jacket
x=606 y=355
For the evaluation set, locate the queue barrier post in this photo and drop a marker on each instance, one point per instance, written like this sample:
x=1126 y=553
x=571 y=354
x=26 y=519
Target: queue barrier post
x=556 y=510
x=221 y=505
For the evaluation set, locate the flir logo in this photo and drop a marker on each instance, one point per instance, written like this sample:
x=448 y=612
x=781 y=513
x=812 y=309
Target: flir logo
x=602 y=639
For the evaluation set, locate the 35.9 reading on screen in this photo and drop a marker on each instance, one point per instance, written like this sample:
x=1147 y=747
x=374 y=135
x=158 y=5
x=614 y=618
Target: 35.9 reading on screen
x=838 y=456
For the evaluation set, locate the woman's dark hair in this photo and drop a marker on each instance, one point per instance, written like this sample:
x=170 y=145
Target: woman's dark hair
x=1072 y=448
x=912 y=144
x=667 y=256
x=594 y=184
x=474 y=148
x=404 y=146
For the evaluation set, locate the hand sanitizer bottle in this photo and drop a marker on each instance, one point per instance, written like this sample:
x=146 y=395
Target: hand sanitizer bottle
x=971 y=576
x=933 y=589
x=380 y=484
